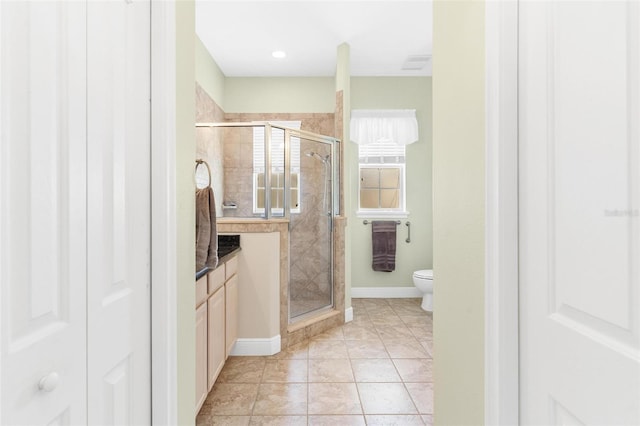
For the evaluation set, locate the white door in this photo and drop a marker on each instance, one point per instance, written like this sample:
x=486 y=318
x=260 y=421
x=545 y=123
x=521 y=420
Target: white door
x=118 y=154
x=74 y=213
x=42 y=213
x=579 y=113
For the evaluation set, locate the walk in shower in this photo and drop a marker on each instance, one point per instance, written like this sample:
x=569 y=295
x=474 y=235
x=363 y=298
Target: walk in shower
x=275 y=171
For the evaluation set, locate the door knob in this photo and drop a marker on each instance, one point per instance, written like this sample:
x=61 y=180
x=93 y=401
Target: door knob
x=49 y=382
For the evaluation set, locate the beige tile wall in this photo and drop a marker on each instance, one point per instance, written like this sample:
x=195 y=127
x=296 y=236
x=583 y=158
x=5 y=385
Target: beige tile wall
x=209 y=145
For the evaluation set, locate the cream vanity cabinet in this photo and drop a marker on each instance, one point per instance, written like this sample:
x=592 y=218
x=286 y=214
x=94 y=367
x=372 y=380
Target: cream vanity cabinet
x=216 y=324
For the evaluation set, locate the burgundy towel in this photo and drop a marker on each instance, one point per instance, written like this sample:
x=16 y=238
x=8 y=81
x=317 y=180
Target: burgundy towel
x=383 y=239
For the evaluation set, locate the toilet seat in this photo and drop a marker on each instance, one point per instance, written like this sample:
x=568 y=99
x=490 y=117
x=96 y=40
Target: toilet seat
x=424 y=274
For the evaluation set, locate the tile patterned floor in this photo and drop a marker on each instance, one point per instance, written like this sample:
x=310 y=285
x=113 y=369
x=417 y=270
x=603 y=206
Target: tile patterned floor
x=375 y=370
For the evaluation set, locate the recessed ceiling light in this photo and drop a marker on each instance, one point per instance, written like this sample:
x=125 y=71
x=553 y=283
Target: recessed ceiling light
x=278 y=54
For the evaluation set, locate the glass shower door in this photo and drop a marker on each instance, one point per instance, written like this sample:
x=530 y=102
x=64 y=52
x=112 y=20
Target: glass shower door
x=311 y=223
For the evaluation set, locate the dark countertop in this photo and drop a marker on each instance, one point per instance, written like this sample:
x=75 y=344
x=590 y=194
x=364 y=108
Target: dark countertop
x=228 y=246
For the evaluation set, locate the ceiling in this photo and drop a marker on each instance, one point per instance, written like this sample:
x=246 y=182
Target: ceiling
x=241 y=36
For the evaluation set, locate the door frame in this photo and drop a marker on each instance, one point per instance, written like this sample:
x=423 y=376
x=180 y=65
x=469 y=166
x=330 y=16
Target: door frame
x=501 y=225
x=164 y=318
x=501 y=369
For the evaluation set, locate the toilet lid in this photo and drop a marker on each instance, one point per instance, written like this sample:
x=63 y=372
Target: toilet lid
x=424 y=273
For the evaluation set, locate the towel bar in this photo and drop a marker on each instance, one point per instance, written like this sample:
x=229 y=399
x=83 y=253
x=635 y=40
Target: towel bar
x=398 y=222
x=366 y=222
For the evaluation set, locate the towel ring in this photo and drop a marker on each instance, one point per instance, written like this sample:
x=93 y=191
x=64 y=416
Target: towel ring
x=201 y=161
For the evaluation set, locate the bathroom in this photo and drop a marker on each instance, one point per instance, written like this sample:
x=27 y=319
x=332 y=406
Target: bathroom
x=312 y=101
x=318 y=107
x=274 y=320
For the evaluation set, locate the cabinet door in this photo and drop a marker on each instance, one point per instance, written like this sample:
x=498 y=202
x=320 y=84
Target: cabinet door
x=232 y=312
x=216 y=333
x=201 y=355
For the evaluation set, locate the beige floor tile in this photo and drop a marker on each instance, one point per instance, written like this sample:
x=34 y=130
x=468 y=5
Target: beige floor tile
x=375 y=303
x=211 y=420
x=366 y=349
x=285 y=371
x=405 y=348
x=332 y=334
x=428 y=346
x=337 y=377
x=415 y=370
x=362 y=320
x=397 y=420
x=394 y=332
x=421 y=332
x=422 y=395
x=357 y=302
x=386 y=320
x=281 y=399
x=428 y=342
x=327 y=349
x=242 y=370
x=232 y=398
x=355 y=332
x=385 y=398
x=409 y=310
x=299 y=351
x=330 y=370
x=346 y=420
x=374 y=370
x=334 y=398
x=358 y=310
x=416 y=320
x=278 y=421
x=382 y=312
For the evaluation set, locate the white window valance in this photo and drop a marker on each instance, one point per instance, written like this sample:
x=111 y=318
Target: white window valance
x=398 y=126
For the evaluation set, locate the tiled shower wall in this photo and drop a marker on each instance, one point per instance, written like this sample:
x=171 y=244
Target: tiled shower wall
x=209 y=144
x=310 y=236
x=229 y=152
x=238 y=154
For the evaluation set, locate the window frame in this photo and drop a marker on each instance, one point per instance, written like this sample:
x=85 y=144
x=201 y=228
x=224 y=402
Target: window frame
x=292 y=124
x=401 y=210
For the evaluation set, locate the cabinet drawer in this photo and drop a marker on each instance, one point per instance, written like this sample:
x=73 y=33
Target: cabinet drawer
x=232 y=267
x=201 y=291
x=216 y=279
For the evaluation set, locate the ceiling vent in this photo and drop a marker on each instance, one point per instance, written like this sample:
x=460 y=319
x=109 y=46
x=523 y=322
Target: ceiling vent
x=416 y=62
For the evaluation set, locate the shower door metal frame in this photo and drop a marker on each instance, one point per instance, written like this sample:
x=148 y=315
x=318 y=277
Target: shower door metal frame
x=334 y=209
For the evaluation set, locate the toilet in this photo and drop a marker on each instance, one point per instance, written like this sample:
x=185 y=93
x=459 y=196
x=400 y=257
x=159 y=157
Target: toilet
x=423 y=280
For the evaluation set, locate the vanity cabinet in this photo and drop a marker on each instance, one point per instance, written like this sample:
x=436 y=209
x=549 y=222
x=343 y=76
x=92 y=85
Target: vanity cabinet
x=216 y=346
x=231 y=319
x=216 y=324
x=201 y=354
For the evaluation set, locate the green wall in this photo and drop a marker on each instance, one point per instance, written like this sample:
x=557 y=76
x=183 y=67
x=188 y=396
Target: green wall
x=395 y=93
x=185 y=214
x=208 y=74
x=279 y=94
x=459 y=206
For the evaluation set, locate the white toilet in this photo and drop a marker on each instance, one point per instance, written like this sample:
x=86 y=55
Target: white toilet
x=423 y=280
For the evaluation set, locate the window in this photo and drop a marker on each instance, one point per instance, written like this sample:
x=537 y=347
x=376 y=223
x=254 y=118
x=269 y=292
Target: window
x=382 y=179
x=277 y=169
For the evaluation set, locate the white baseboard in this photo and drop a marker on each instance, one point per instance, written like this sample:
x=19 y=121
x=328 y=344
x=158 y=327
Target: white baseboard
x=257 y=347
x=385 y=292
x=348 y=315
